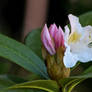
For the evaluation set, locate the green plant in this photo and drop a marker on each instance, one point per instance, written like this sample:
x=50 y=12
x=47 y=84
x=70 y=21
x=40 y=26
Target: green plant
x=30 y=58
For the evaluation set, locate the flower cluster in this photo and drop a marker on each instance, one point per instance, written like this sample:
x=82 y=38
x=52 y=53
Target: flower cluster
x=52 y=38
x=77 y=41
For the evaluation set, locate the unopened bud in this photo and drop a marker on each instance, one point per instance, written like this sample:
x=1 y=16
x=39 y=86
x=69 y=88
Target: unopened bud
x=55 y=65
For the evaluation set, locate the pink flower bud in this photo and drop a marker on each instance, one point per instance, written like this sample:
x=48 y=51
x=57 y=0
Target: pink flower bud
x=52 y=38
x=53 y=30
x=47 y=41
x=59 y=38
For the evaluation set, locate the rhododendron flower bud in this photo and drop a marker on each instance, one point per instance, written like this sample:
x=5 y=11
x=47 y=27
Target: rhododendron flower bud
x=53 y=30
x=52 y=38
x=47 y=40
x=53 y=41
x=59 y=38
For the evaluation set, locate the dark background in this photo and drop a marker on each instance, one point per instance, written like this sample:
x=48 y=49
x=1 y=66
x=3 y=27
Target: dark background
x=12 y=12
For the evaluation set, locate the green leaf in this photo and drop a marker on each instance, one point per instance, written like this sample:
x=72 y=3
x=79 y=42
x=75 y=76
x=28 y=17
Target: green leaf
x=21 y=55
x=33 y=76
x=33 y=41
x=46 y=85
x=22 y=90
x=68 y=84
x=10 y=80
x=4 y=66
x=4 y=83
x=86 y=74
x=88 y=70
x=86 y=19
x=72 y=85
x=13 y=78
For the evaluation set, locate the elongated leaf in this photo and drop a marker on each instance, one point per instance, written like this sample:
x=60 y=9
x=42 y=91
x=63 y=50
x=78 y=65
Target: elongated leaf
x=86 y=19
x=71 y=85
x=88 y=75
x=46 y=85
x=88 y=70
x=6 y=82
x=21 y=55
x=13 y=78
x=68 y=84
x=33 y=41
x=22 y=90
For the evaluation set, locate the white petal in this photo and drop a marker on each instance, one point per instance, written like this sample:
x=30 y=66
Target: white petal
x=84 y=54
x=88 y=28
x=75 y=25
x=82 y=48
x=82 y=51
x=66 y=34
x=69 y=59
x=87 y=35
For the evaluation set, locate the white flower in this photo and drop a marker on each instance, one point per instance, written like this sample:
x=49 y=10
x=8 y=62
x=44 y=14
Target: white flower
x=78 y=43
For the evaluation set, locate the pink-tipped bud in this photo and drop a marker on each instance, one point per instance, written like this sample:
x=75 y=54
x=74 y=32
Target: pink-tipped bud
x=47 y=40
x=53 y=30
x=52 y=38
x=59 y=38
x=53 y=41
